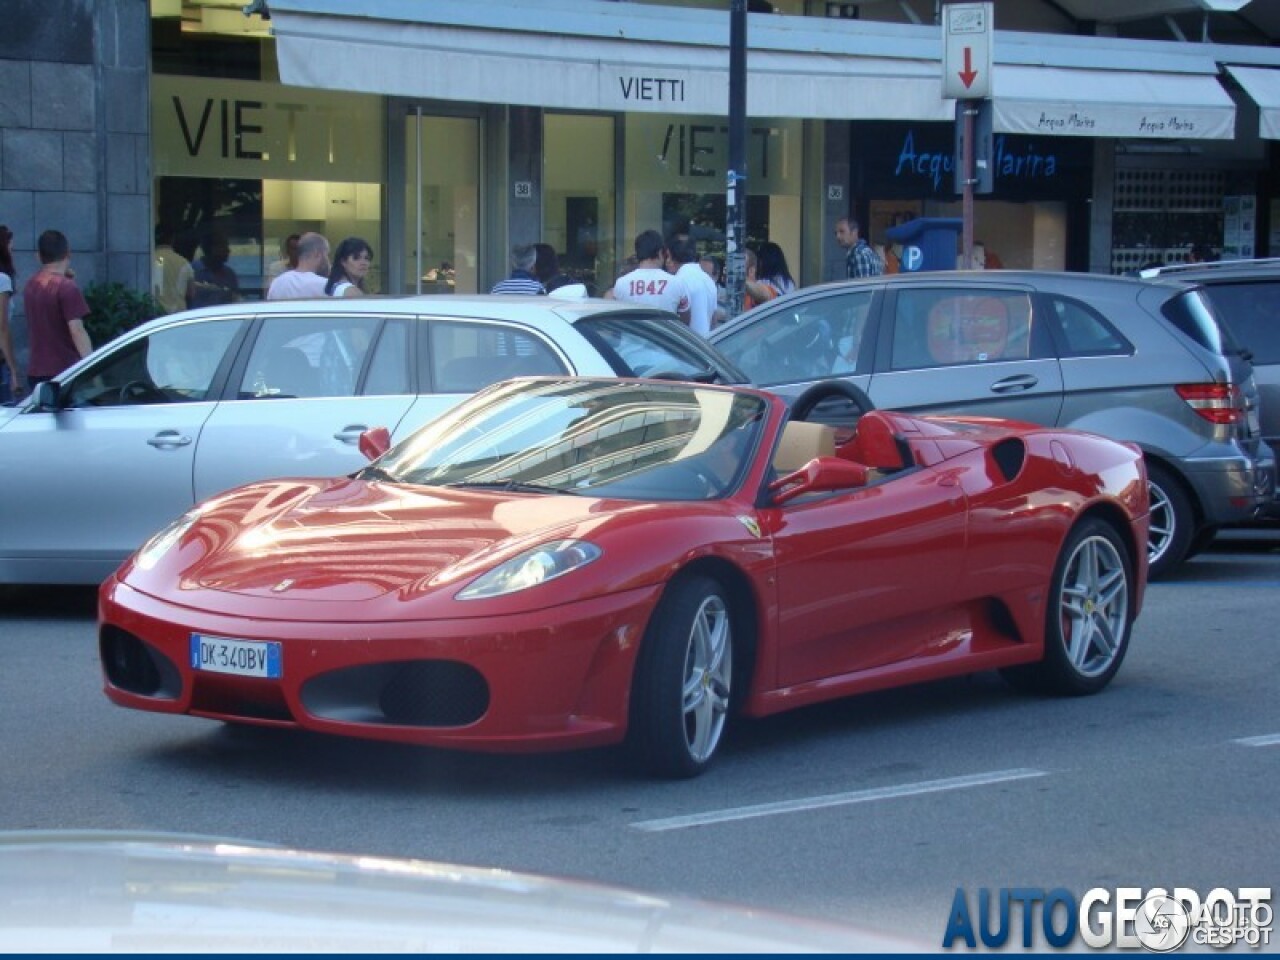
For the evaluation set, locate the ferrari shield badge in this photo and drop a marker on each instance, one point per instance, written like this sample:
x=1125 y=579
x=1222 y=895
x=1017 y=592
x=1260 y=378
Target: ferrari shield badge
x=749 y=522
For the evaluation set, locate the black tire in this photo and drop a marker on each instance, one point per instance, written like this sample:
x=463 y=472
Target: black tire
x=1173 y=522
x=681 y=694
x=1200 y=542
x=804 y=405
x=1089 y=618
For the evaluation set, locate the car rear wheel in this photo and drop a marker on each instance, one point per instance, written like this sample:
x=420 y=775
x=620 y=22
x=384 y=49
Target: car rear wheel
x=1172 y=522
x=681 y=695
x=1090 y=615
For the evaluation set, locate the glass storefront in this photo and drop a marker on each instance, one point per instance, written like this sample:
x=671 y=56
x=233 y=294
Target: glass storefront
x=441 y=245
x=250 y=162
x=579 y=197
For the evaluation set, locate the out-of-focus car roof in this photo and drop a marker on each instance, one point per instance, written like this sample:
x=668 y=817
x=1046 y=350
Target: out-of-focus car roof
x=122 y=892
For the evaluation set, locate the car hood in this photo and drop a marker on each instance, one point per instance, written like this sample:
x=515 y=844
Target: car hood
x=143 y=893
x=351 y=540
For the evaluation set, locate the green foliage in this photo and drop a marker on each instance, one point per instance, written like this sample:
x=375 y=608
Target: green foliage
x=115 y=308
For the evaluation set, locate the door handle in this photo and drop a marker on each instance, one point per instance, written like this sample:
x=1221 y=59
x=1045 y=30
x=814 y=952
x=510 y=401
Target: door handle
x=350 y=433
x=1023 y=381
x=168 y=438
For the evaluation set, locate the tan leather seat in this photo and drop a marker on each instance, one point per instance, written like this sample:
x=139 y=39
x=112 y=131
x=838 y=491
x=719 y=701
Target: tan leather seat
x=800 y=443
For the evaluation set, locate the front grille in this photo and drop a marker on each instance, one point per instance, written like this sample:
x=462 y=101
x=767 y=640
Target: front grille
x=415 y=693
x=435 y=693
x=137 y=667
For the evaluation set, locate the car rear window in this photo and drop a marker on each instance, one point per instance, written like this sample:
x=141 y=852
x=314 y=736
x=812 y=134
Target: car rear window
x=1252 y=312
x=1193 y=314
x=655 y=345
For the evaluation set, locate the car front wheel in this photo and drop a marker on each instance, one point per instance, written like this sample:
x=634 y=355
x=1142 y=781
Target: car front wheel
x=681 y=695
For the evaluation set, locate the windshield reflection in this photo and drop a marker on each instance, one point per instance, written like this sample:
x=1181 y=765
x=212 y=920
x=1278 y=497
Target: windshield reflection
x=600 y=438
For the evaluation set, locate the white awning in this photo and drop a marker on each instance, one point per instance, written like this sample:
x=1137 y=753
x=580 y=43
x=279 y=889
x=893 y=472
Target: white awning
x=620 y=57
x=593 y=73
x=1263 y=87
x=1111 y=103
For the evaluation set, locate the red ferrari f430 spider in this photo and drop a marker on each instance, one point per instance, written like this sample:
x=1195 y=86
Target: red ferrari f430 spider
x=570 y=562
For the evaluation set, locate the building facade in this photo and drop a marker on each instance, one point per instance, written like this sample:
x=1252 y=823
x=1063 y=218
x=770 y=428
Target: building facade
x=444 y=132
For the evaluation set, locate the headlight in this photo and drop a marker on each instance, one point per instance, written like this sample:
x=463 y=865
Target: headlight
x=155 y=548
x=531 y=568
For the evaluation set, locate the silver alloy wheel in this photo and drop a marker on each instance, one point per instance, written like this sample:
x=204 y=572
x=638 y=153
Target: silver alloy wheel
x=1094 y=605
x=708 y=671
x=1164 y=523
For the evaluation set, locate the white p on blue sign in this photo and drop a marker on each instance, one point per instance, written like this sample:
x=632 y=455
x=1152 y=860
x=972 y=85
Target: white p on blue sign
x=912 y=258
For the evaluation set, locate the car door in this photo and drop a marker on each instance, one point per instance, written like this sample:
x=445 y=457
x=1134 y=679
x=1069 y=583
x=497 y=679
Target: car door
x=803 y=340
x=966 y=349
x=114 y=462
x=864 y=577
x=307 y=387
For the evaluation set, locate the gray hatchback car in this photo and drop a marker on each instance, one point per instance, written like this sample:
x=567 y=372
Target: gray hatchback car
x=1246 y=296
x=1140 y=360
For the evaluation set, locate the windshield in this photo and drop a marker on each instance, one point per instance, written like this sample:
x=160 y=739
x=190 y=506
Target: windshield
x=602 y=438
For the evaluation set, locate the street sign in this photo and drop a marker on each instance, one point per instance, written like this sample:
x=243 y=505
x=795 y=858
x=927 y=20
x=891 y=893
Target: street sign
x=966 y=50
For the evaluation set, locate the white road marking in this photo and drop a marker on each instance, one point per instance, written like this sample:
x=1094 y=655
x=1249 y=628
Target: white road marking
x=1269 y=740
x=837 y=800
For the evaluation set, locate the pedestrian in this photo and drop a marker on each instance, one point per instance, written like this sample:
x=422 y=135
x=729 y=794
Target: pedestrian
x=171 y=273
x=288 y=258
x=701 y=288
x=546 y=267
x=351 y=263
x=55 y=312
x=309 y=277
x=649 y=282
x=713 y=267
x=521 y=280
x=1200 y=253
x=213 y=280
x=773 y=278
x=12 y=382
x=860 y=259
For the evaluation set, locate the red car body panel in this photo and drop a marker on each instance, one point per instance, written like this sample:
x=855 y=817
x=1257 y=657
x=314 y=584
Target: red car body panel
x=939 y=570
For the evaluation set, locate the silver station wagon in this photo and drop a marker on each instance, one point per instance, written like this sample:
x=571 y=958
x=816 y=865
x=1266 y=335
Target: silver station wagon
x=1140 y=360
x=192 y=404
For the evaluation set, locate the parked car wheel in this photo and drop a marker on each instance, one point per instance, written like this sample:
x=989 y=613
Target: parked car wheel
x=1089 y=618
x=1172 y=522
x=681 y=694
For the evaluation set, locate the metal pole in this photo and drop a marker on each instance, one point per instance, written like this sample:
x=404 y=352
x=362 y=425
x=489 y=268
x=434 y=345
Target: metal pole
x=966 y=159
x=736 y=179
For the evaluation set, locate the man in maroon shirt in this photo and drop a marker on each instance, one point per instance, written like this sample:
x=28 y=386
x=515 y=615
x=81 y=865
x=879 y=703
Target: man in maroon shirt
x=55 y=311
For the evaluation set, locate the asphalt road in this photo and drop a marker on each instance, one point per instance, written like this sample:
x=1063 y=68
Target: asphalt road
x=873 y=810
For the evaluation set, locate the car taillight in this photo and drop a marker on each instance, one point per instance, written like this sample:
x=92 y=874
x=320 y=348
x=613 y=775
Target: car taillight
x=1216 y=402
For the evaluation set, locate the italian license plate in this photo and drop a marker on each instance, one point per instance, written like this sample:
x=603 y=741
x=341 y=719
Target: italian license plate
x=242 y=658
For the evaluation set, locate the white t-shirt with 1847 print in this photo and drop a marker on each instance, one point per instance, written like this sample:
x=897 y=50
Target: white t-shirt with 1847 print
x=652 y=286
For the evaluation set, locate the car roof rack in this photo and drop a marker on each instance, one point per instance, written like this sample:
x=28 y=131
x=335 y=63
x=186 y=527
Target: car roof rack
x=1172 y=269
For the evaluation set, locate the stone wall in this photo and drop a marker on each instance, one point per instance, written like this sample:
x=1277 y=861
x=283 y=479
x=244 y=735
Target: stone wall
x=75 y=148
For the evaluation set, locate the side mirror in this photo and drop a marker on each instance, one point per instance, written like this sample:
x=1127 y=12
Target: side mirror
x=819 y=475
x=374 y=442
x=44 y=396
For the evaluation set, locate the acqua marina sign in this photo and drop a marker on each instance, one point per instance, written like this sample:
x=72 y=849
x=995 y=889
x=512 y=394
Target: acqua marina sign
x=1022 y=160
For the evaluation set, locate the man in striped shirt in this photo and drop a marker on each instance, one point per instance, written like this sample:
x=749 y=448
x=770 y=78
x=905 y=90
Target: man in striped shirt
x=860 y=260
x=522 y=279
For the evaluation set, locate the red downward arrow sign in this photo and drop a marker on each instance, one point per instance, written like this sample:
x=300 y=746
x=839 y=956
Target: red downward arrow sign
x=968 y=74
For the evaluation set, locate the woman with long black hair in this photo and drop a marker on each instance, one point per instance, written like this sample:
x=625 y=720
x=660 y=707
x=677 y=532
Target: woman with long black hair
x=351 y=263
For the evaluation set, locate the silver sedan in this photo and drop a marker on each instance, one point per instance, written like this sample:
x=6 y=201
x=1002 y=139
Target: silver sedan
x=192 y=404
